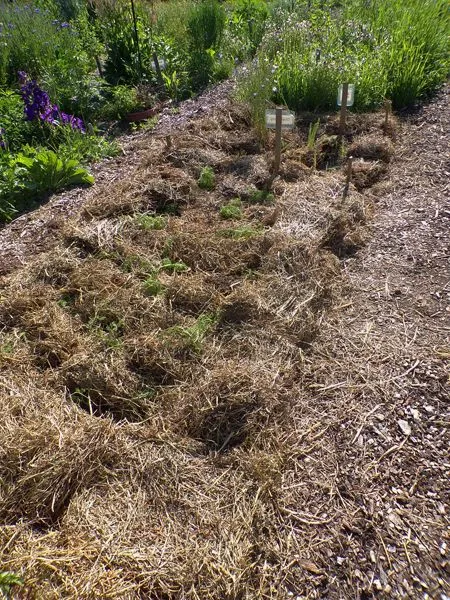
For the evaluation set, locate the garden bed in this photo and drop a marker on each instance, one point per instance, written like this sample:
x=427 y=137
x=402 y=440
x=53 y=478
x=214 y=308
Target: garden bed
x=171 y=425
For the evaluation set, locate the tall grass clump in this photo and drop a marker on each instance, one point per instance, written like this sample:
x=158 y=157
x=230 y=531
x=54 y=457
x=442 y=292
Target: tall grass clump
x=205 y=30
x=387 y=49
x=416 y=57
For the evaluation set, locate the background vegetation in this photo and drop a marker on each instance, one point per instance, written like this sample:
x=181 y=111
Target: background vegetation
x=97 y=61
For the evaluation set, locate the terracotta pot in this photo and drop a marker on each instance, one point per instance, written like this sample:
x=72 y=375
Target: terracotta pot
x=141 y=115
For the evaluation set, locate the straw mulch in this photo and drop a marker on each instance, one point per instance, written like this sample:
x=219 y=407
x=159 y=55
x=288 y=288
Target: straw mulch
x=181 y=418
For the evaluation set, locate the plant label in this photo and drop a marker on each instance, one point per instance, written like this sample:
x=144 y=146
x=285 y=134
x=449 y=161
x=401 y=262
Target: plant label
x=350 y=95
x=287 y=119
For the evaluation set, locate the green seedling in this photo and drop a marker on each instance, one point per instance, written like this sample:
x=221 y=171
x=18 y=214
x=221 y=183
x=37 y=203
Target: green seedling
x=232 y=210
x=152 y=286
x=207 y=179
x=173 y=267
x=194 y=335
x=150 y=222
x=261 y=197
x=241 y=233
x=7 y=581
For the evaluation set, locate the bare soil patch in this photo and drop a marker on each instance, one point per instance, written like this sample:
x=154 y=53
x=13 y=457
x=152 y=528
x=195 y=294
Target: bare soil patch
x=199 y=407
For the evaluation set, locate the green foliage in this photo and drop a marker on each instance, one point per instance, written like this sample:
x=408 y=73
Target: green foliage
x=44 y=171
x=7 y=581
x=261 y=197
x=194 y=335
x=122 y=100
x=173 y=266
x=109 y=331
x=152 y=286
x=241 y=233
x=312 y=134
x=205 y=29
x=389 y=48
x=31 y=174
x=232 y=210
x=207 y=179
x=48 y=49
x=14 y=130
x=149 y=222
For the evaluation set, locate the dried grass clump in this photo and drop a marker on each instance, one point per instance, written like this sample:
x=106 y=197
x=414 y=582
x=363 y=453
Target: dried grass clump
x=19 y=301
x=253 y=169
x=148 y=191
x=216 y=253
x=372 y=147
x=53 y=335
x=100 y=383
x=345 y=232
x=193 y=157
x=153 y=359
x=52 y=454
x=367 y=174
x=193 y=295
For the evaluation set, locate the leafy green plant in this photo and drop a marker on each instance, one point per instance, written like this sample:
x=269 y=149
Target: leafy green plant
x=150 y=222
x=207 y=179
x=44 y=171
x=152 y=286
x=261 y=197
x=173 y=266
x=7 y=581
x=205 y=29
x=232 y=210
x=14 y=130
x=194 y=335
x=241 y=233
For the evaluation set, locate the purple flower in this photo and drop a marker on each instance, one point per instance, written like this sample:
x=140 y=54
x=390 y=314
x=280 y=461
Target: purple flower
x=64 y=25
x=37 y=105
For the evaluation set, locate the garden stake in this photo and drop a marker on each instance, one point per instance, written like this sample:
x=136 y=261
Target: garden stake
x=343 y=119
x=387 y=108
x=136 y=35
x=348 y=176
x=278 y=122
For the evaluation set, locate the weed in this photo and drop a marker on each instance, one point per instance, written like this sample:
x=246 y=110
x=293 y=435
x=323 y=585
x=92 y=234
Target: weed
x=149 y=222
x=109 y=331
x=207 y=179
x=7 y=581
x=152 y=286
x=261 y=197
x=194 y=335
x=173 y=267
x=312 y=134
x=241 y=233
x=232 y=210
x=134 y=262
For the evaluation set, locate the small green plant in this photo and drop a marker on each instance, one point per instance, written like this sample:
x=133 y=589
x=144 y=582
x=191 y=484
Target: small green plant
x=207 y=179
x=194 y=335
x=152 y=286
x=241 y=233
x=150 y=222
x=173 y=266
x=109 y=331
x=312 y=134
x=232 y=210
x=261 y=197
x=7 y=581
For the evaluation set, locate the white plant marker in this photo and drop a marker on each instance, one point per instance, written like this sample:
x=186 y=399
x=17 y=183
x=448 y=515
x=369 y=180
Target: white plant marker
x=346 y=97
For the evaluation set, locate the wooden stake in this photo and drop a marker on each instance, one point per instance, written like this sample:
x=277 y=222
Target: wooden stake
x=278 y=122
x=348 y=178
x=343 y=119
x=387 y=108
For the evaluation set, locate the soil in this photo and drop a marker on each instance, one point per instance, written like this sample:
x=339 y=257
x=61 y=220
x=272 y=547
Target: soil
x=293 y=441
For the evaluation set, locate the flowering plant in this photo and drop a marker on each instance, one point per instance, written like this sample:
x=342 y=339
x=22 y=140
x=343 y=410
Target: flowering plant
x=38 y=106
